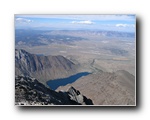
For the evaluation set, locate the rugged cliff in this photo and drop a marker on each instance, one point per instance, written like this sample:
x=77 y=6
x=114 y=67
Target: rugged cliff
x=29 y=91
x=43 y=68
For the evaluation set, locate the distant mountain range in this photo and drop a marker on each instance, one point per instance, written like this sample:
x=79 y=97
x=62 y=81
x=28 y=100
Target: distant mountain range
x=40 y=37
x=43 y=68
x=45 y=37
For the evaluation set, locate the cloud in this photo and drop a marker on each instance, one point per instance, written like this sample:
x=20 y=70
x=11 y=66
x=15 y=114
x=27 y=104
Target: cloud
x=23 y=20
x=87 y=22
x=125 y=25
x=121 y=25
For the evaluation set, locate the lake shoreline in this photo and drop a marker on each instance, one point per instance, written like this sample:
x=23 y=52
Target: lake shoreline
x=54 y=84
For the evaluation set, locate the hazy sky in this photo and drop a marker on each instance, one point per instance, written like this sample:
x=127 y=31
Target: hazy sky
x=125 y=23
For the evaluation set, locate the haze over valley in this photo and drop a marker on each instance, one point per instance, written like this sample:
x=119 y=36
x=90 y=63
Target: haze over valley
x=94 y=51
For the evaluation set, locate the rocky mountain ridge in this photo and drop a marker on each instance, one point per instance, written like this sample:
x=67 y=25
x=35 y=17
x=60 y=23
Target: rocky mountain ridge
x=43 y=68
x=105 y=88
x=29 y=91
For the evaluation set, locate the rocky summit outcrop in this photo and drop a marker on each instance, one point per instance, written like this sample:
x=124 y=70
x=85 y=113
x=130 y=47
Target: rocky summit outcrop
x=43 y=68
x=29 y=91
x=76 y=96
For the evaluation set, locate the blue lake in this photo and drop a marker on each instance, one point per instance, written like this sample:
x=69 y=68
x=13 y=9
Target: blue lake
x=54 y=84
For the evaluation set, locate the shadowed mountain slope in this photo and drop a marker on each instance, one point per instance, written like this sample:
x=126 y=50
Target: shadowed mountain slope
x=43 y=68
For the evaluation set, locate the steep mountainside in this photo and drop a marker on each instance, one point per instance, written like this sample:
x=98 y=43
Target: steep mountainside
x=28 y=91
x=107 y=88
x=43 y=67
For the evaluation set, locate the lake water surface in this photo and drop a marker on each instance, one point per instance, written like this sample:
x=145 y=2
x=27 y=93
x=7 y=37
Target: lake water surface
x=54 y=84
